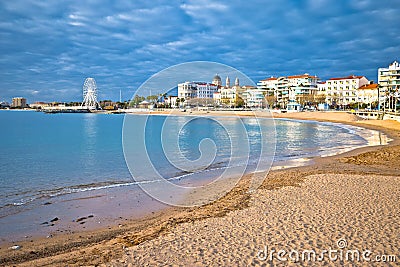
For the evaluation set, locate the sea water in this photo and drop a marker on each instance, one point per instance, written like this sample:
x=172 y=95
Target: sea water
x=45 y=156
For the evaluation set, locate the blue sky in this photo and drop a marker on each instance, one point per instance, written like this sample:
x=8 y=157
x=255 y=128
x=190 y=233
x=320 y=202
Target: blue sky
x=48 y=48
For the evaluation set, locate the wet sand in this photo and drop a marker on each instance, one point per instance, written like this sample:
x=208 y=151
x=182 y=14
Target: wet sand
x=352 y=196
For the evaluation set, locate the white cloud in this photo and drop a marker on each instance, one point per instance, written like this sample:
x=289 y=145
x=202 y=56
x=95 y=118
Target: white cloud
x=124 y=43
x=203 y=6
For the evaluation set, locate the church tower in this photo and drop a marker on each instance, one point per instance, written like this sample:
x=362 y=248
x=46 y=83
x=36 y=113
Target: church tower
x=228 y=82
x=217 y=80
x=237 y=82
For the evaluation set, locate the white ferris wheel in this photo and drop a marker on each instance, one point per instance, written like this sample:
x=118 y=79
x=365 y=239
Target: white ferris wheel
x=90 y=94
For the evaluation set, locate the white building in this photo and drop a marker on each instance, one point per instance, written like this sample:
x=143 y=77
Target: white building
x=290 y=88
x=206 y=90
x=171 y=101
x=321 y=88
x=190 y=90
x=389 y=85
x=217 y=98
x=269 y=84
x=187 y=90
x=368 y=94
x=304 y=84
x=343 y=91
x=255 y=97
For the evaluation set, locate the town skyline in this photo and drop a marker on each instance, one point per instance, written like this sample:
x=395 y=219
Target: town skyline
x=257 y=84
x=50 y=48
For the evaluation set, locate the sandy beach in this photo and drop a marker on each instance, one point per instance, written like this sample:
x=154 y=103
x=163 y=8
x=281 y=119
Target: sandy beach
x=341 y=203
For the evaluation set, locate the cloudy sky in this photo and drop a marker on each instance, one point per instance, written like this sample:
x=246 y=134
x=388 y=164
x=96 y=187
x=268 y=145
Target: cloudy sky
x=48 y=48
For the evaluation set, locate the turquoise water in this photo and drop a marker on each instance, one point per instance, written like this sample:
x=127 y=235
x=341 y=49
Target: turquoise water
x=44 y=156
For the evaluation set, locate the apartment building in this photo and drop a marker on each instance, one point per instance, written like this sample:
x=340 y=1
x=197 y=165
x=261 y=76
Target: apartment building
x=343 y=91
x=368 y=94
x=389 y=85
x=19 y=102
x=289 y=89
x=190 y=90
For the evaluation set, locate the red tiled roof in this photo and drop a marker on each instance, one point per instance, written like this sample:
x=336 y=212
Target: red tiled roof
x=270 y=79
x=369 y=86
x=291 y=77
x=348 y=77
x=301 y=76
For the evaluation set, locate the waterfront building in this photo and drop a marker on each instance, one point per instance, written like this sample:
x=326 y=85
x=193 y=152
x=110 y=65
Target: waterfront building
x=217 y=98
x=291 y=88
x=368 y=94
x=256 y=97
x=39 y=105
x=171 y=101
x=389 y=85
x=321 y=88
x=19 y=102
x=191 y=90
x=204 y=93
x=343 y=91
x=145 y=104
x=231 y=96
x=269 y=85
x=187 y=90
x=303 y=88
x=205 y=90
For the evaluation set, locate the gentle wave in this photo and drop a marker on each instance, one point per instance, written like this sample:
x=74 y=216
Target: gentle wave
x=27 y=197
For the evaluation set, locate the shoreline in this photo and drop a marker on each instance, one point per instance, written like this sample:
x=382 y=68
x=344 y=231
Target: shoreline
x=113 y=240
x=90 y=218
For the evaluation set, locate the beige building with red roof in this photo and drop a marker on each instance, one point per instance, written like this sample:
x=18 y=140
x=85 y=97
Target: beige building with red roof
x=343 y=91
x=368 y=94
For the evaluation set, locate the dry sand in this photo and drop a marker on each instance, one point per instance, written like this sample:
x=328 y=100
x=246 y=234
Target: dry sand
x=353 y=196
x=323 y=210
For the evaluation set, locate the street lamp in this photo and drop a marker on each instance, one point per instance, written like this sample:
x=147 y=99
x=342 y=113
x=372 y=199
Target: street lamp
x=396 y=95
